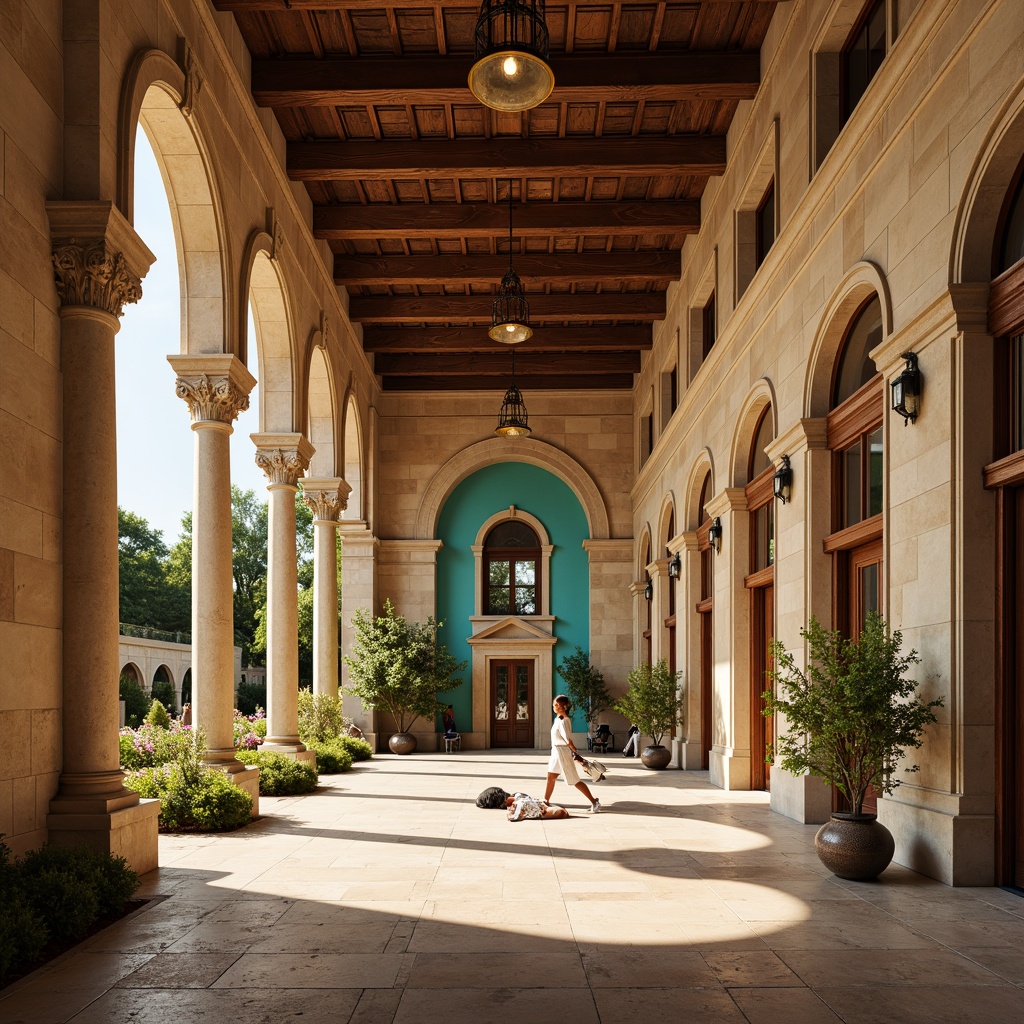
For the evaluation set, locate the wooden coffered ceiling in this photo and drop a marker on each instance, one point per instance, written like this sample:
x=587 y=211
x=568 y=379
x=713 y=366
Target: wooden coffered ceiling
x=410 y=176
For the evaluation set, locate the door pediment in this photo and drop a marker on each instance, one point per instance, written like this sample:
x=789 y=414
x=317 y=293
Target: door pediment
x=511 y=628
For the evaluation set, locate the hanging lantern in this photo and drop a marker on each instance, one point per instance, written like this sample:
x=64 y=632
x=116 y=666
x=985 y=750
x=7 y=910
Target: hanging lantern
x=513 y=420
x=510 y=312
x=511 y=46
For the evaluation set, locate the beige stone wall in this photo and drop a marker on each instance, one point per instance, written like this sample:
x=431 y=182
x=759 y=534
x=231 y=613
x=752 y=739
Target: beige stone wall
x=31 y=52
x=886 y=195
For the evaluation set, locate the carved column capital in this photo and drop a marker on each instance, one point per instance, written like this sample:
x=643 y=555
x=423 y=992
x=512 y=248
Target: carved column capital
x=215 y=387
x=98 y=259
x=283 y=457
x=328 y=498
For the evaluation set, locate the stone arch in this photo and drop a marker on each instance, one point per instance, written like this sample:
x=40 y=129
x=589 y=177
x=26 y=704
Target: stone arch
x=264 y=289
x=761 y=395
x=981 y=203
x=513 y=513
x=130 y=668
x=859 y=284
x=644 y=548
x=354 y=463
x=498 y=449
x=321 y=410
x=154 y=98
x=703 y=465
x=168 y=675
x=666 y=515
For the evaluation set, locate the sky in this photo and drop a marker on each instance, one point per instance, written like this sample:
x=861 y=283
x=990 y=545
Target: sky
x=154 y=439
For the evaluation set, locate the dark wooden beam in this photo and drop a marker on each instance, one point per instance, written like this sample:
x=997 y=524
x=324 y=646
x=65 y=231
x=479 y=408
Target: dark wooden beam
x=626 y=76
x=497 y=363
x=539 y=269
x=676 y=155
x=285 y=6
x=484 y=220
x=475 y=339
x=468 y=309
x=561 y=382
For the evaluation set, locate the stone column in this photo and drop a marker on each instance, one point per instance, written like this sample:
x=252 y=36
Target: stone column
x=328 y=498
x=283 y=457
x=359 y=590
x=98 y=262
x=216 y=389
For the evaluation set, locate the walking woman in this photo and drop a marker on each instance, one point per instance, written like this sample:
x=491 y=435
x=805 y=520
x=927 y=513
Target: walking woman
x=562 y=752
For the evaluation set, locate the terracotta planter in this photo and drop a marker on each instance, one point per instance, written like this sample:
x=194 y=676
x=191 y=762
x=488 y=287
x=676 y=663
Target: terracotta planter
x=854 y=846
x=402 y=743
x=656 y=757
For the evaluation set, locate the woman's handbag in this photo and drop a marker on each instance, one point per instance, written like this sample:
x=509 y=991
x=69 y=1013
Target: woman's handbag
x=593 y=770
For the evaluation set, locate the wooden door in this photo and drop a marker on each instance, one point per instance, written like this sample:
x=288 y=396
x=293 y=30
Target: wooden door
x=762 y=728
x=511 y=703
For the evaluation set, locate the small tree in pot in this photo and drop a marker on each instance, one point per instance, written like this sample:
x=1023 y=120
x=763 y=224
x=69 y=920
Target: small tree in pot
x=585 y=685
x=398 y=667
x=652 y=703
x=852 y=714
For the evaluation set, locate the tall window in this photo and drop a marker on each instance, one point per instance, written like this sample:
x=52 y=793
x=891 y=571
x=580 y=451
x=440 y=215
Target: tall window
x=511 y=580
x=765 y=224
x=1007 y=298
x=710 y=324
x=762 y=523
x=863 y=55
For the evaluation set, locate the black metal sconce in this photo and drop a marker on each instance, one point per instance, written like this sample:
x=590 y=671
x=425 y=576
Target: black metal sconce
x=782 y=482
x=675 y=566
x=906 y=389
x=649 y=591
x=715 y=533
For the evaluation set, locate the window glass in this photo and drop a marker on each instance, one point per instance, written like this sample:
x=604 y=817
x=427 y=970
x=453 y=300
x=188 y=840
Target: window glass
x=513 y=533
x=851 y=485
x=766 y=224
x=869 y=588
x=511 y=555
x=764 y=544
x=856 y=367
x=501 y=694
x=863 y=56
x=710 y=324
x=522 y=693
x=1013 y=237
x=759 y=460
x=875 y=472
x=1017 y=393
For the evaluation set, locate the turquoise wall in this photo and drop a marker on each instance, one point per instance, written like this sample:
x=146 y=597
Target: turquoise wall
x=480 y=496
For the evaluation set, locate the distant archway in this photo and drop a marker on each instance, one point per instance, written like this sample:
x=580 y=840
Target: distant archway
x=354 y=461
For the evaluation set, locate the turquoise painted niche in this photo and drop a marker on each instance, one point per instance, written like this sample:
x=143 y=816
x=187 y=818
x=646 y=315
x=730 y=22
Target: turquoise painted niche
x=485 y=493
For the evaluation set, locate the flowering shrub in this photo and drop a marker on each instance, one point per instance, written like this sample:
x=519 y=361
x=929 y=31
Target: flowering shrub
x=250 y=730
x=150 y=745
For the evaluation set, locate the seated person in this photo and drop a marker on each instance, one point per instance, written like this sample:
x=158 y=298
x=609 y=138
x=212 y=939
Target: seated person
x=632 y=748
x=522 y=805
x=448 y=718
x=602 y=738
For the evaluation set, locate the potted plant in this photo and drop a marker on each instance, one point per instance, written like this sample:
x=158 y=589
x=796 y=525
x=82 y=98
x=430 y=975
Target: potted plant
x=851 y=716
x=398 y=667
x=652 y=703
x=585 y=685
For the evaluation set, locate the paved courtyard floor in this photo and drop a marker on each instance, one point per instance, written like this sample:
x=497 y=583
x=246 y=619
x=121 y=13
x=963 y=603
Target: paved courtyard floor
x=388 y=898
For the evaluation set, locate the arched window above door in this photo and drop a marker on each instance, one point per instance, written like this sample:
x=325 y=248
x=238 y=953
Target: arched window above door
x=511 y=570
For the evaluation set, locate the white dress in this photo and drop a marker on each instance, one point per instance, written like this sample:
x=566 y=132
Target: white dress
x=561 y=762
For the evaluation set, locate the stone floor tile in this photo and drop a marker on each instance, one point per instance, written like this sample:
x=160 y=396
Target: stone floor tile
x=179 y=970
x=925 y=1005
x=783 y=1006
x=556 y=969
x=311 y=970
x=751 y=969
x=658 y=967
x=880 y=967
x=500 y=1006
x=622 y=1005
x=1007 y=962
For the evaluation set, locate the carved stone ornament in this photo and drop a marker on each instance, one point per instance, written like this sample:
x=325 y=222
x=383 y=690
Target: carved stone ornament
x=92 y=275
x=325 y=329
x=282 y=465
x=212 y=398
x=326 y=505
x=193 y=82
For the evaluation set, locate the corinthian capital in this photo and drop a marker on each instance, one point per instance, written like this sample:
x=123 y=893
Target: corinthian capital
x=215 y=387
x=328 y=498
x=98 y=259
x=283 y=457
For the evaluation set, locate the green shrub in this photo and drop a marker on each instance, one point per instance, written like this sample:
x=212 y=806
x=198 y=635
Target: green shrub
x=360 y=749
x=110 y=877
x=150 y=746
x=251 y=696
x=249 y=731
x=163 y=691
x=332 y=756
x=320 y=717
x=158 y=716
x=22 y=933
x=136 y=703
x=280 y=775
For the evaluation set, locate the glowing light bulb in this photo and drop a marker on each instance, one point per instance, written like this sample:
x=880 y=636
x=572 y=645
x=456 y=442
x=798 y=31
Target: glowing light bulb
x=510 y=328
x=510 y=66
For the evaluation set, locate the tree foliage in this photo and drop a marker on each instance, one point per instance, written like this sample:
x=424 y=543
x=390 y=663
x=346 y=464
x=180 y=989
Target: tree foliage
x=652 y=701
x=587 y=688
x=399 y=667
x=148 y=594
x=852 y=714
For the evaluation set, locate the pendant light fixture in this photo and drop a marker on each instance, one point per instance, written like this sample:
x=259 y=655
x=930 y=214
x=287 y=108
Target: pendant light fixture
x=511 y=46
x=510 y=312
x=512 y=419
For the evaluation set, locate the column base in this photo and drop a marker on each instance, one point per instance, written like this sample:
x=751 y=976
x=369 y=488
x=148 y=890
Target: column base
x=729 y=770
x=687 y=755
x=804 y=798
x=296 y=753
x=125 y=831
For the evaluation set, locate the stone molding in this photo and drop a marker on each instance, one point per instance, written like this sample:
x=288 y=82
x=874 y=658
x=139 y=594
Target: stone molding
x=98 y=259
x=215 y=387
x=327 y=497
x=283 y=457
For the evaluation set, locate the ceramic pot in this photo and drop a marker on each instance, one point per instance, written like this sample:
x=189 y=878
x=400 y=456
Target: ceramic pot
x=656 y=757
x=402 y=743
x=854 y=846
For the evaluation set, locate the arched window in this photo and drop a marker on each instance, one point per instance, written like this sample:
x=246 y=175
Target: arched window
x=704 y=610
x=511 y=581
x=1006 y=321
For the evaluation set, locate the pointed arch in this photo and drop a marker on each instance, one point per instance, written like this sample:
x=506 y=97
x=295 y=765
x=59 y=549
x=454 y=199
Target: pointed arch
x=152 y=99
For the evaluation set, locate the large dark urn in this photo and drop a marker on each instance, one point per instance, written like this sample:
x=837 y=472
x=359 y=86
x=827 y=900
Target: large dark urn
x=402 y=743
x=656 y=757
x=854 y=846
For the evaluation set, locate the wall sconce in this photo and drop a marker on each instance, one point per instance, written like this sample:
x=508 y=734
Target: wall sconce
x=675 y=566
x=649 y=591
x=715 y=533
x=906 y=389
x=782 y=482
